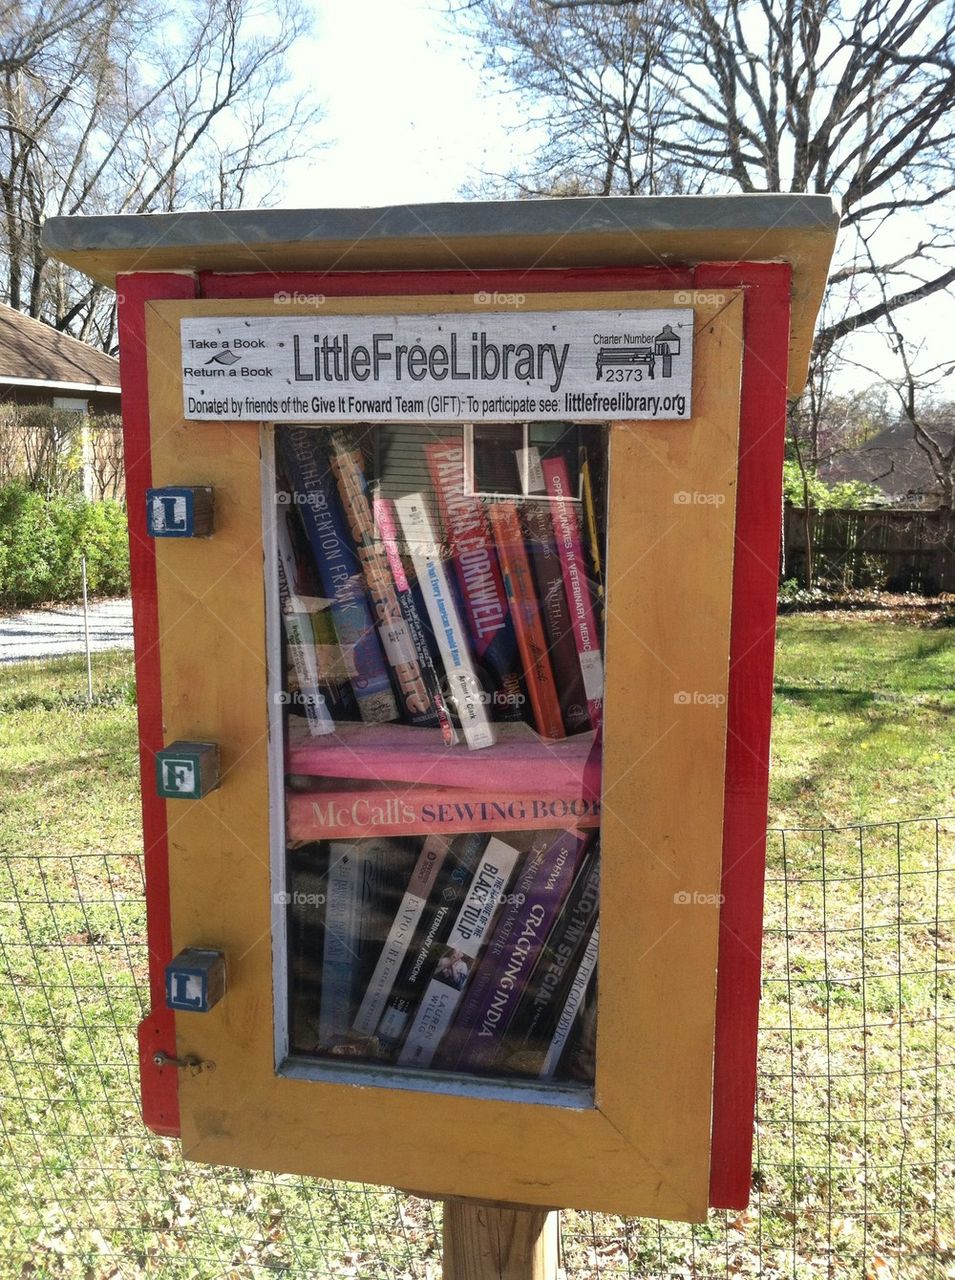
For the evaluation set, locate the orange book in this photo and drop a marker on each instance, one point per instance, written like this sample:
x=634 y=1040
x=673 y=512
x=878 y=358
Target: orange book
x=525 y=612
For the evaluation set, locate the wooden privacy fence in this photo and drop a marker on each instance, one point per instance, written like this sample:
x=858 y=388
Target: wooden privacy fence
x=895 y=550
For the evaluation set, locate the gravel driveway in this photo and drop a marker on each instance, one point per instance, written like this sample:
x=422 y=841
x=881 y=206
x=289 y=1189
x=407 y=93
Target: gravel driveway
x=58 y=629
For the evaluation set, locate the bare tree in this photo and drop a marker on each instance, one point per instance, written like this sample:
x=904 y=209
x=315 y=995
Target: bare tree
x=857 y=99
x=117 y=106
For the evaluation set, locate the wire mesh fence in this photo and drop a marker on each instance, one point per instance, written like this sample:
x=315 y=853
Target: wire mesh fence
x=855 y=1141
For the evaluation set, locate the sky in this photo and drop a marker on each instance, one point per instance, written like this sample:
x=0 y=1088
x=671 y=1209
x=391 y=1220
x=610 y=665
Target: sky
x=411 y=116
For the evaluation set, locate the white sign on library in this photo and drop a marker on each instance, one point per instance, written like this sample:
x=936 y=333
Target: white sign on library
x=588 y=366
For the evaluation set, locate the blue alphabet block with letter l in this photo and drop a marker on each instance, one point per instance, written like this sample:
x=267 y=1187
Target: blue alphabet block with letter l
x=195 y=980
x=179 y=511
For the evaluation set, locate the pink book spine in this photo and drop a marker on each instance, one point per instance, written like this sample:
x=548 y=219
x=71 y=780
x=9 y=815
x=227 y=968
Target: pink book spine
x=574 y=568
x=331 y=815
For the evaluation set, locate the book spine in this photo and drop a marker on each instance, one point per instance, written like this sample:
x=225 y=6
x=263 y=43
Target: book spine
x=338 y=570
x=433 y=929
x=403 y=929
x=593 y=538
x=573 y=565
x=325 y=814
x=555 y=616
x=478 y=575
x=384 y=516
x=525 y=614
x=340 y=954
x=299 y=638
x=467 y=695
x=453 y=968
x=572 y=1005
x=397 y=638
x=532 y=1026
x=513 y=951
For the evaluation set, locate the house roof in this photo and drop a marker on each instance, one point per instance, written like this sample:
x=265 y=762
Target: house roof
x=893 y=461
x=35 y=354
x=577 y=231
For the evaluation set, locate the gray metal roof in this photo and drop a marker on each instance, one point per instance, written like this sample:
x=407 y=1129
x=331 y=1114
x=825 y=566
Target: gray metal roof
x=584 y=231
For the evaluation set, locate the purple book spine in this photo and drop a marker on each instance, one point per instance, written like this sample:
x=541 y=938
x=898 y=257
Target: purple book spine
x=483 y=1023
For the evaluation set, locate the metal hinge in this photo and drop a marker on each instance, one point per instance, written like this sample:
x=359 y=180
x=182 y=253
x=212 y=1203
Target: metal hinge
x=190 y=1063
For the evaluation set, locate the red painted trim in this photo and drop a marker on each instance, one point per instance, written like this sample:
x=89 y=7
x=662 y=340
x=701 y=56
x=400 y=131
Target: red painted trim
x=337 y=284
x=159 y=1085
x=762 y=433
x=752 y=651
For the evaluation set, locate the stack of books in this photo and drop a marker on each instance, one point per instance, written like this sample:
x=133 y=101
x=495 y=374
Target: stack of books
x=442 y=904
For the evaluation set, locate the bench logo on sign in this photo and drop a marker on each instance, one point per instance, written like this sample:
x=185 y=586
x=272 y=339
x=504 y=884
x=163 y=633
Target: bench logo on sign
x=637 y=354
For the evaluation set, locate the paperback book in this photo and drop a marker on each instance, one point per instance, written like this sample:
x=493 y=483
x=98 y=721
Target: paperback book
x=456 y=961
x=338 y=569
x=466 y=692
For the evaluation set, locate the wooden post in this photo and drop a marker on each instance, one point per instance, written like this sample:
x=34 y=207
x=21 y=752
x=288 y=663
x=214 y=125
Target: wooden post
x=488 y=1241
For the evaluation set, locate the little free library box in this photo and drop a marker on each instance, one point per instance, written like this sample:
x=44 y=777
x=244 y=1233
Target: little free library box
x=454 y=538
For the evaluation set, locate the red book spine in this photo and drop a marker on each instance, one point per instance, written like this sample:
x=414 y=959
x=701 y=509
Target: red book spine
x=525 y=613
x=574 y=566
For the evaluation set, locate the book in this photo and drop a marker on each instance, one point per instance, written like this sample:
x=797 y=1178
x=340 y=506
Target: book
x=593 y=538
x=400 y=753
x=573 y=565
x=338 y=569
x=323 y=813
x=456 y=961
x=383 y=512
x=535 y=1019
x=305 y=921
x=413 y=674
x=299 y=638
x=555 y=616
x=434 y=926
x=402 y=932
x=572 y=1006
x=521 y=930
x=466 y=693
x=525 y=614
x=478 y=575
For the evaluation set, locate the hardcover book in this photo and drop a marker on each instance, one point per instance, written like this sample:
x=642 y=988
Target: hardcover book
x=478 y=575
x=525 y=614
x=324 y=813
x=574 y=568
x=555 y=616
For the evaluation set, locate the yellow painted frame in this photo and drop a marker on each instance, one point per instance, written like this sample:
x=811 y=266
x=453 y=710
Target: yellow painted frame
x=642 y=1148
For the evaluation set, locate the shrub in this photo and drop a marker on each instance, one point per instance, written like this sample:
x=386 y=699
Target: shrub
x=42 y=541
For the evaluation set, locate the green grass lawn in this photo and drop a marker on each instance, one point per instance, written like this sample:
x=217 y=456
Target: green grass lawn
x=856 y=1059
x=862 y=722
